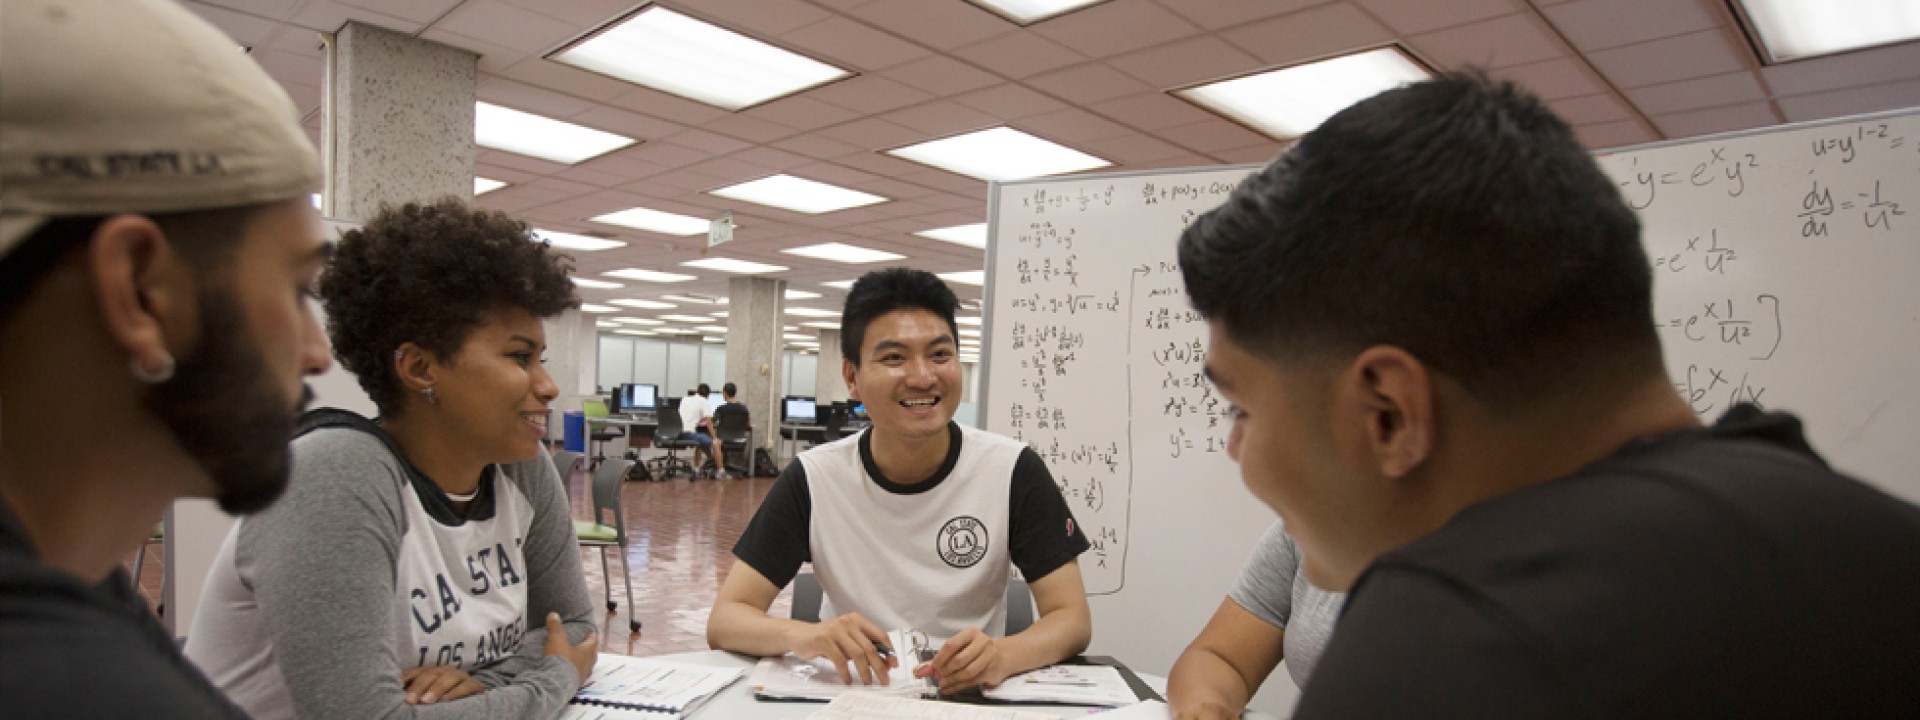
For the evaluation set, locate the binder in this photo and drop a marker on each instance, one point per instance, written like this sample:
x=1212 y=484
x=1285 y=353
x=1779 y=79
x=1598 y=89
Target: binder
x=625 y=687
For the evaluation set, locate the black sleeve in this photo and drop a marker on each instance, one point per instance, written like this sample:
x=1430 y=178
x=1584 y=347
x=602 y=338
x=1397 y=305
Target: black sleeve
x=1413 y=644
x=1044 y=534
x=776 y=540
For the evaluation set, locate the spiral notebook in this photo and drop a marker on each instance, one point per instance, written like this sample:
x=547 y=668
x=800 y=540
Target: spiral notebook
x=630 y=687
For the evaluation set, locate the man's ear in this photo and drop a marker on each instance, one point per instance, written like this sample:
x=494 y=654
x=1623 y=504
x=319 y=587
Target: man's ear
x=847 y=370
x=142 y=289
x=1396 y=398
x=415 y=366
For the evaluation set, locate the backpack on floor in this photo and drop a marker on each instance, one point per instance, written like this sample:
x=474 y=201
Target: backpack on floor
x=638 y=471
x=763 y=463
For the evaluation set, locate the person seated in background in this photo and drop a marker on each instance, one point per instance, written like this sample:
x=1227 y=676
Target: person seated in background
x=693 y=426
x=731 y=407
x=154 y=330
x=1273 y=613
x=423 y=563
x=1433 y=316
x=914 y=523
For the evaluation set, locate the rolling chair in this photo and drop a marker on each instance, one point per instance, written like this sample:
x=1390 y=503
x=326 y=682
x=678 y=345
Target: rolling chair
x=599 y=433
x=730 y=424
x=666 y=436
x=807 y=594
x=594 y=533
x=836 y=423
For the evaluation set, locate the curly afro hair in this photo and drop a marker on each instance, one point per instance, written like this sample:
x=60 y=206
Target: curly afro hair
x=430 y=274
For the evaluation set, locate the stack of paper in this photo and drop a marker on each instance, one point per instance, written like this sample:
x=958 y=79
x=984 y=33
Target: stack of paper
x=1067 y=685
x=789 y=678
x=630 y=687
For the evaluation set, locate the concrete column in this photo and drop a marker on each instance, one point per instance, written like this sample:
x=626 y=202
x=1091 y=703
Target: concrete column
x=573 y=359
x=828 y=384
x=399 y=121
x=754 y=309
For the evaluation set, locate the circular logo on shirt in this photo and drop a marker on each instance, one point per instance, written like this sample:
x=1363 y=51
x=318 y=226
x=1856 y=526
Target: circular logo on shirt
x=963 y=541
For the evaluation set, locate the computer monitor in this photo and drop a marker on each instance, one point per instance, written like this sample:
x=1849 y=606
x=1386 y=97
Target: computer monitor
x=799 y=411
x=859 y=412
x=639 y=396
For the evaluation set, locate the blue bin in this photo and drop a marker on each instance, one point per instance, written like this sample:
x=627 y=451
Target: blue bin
x=575 y=424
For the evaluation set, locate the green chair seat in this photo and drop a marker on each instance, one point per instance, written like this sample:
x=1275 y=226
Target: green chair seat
x=595 y=532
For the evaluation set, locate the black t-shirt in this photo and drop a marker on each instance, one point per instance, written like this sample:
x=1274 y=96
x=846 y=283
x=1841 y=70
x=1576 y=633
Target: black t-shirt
x=70 y=650
x=1707 y=572
x=777 y=541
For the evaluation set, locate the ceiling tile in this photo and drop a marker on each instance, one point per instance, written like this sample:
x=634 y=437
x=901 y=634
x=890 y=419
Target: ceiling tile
x=1713 y=120
x=1212 y=136
x=711 y=143
x=1261 y=154
x=567 y=79
x=815 y=145
x=1115 y=27
x=1326 y=30
x=764 y=17
x=730 y=171
x=1186 y=62
x=1411 y=17
x=853 y=44
x=1497 y=43
x=895 y=188
x=501 y=172
x=297 y=40
x=833 y=173
x=1866 y=67
x=869 y=94
x=665 y=153
x=690 y=180
x=1071 y=126
x=872 y=134
x=581 y=173
x=506 y=25
x=943 y=24
x=802 y=113
x=291 y=67
x=277 y=9
x=244 y=28
x=327 y=16
x=1088 y=83
x=493 y=58
x=1019 y=54
x=747 y=127
x=522 y=163
x=568 y=188
x=950 y=201
x=671 y=107
x=1591 y=109
x=941 y=117
x=1711 y=52
x=626 y=123
x=579 y=13
x=1553 y=79
x=1728 y=89
x=528 y=98
x=941 y=75
x=1601 y=24
x=1151 y=111
x=1133 y=148
x=1217 y=14
x=1009 y=101
x=882 y=165
x=949 y=182
x=1851 y=101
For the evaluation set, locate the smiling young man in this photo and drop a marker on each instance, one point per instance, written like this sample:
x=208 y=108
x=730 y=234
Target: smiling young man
x=1434 y=318
x=157 y=250
x=915 y=523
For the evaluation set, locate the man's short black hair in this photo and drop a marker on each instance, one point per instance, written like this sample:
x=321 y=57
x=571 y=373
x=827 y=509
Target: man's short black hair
x=729 y=389
x=430 y=274
x=1457 y=219
x=883 y=291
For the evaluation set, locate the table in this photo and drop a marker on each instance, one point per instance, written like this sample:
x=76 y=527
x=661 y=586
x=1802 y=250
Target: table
x=737 y=703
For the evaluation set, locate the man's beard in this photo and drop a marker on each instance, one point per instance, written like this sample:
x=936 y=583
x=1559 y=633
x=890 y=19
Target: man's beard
x=223 y=409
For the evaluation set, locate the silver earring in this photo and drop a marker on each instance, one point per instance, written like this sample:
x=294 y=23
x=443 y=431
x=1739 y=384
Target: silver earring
x=156 y=376
x=433 y=398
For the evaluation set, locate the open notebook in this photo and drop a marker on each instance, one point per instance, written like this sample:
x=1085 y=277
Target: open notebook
x=789 y=678
x=632 y=688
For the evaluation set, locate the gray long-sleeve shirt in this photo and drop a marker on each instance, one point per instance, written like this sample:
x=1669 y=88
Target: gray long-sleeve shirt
x=363 y=569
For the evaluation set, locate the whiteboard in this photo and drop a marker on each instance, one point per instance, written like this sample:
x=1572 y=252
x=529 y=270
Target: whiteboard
x=1782 y=261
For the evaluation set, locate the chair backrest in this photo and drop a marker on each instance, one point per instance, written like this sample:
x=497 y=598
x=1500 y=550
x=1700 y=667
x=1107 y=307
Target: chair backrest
x=594 y=408
x=667 y=427
x=606 y=494
x=565 y=462
x=807 y=594
x=731 y=421
x=836 y=422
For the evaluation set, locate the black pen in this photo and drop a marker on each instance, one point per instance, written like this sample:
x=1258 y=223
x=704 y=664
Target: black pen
x=885 y=652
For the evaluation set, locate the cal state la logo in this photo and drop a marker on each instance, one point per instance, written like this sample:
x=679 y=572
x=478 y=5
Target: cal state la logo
x=962 y=542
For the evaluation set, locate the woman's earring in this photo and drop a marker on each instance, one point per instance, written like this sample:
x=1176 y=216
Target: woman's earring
x=432 y=397
x=156 y=376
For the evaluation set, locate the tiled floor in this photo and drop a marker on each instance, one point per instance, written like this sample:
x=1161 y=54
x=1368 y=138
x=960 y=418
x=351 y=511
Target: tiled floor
x=680 y=537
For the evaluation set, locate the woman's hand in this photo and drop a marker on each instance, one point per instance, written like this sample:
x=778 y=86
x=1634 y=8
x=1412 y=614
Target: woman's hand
x=438 y=683
x=582 y=656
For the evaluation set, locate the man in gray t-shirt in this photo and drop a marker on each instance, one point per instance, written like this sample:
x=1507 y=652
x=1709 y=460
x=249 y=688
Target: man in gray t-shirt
x=1272 y=613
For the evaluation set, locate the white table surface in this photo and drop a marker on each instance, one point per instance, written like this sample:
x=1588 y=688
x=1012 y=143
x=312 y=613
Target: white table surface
x=737 y=703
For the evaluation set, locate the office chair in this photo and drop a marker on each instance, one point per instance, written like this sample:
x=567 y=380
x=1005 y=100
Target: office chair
x=565 y=462
x=599 y=433
x=666 y=436
x=594 y=533
x=807 y=595
x=140 y=557
x=835 y=426
x=731 y=431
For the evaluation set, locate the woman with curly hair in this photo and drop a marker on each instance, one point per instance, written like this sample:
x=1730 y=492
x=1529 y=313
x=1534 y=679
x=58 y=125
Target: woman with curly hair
x=422 y=563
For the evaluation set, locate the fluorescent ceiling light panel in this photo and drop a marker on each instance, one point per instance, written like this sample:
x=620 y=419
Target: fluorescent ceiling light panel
x=690 y=299
x=606 y=325
x=967 y=320
x=592 y=308
x=649 y=275
x=634 y=332
x=797 y=336
x=482 y=186
x=842 y=284
x=788 y=328
x=811 y=312
x=730 y=265
x=821 y=325
x=1000 y=153
x=801 y=295
x=1027 y=12
x=639 y=321
x=711 y=329
x=712 y=339
x=1291 y=101
x=797 y=194
x=974 y=235
x=675 y=331
x=720 y=314
x=687 y=318
x=571 y=241
x=525 y=133
x=316 y=200
x=665 y=223
x=642 y=304
x=1801 y=29
x=970 y=277
x=673 y=53
x=969 y=333
x=843 y=253
x=596 y=284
